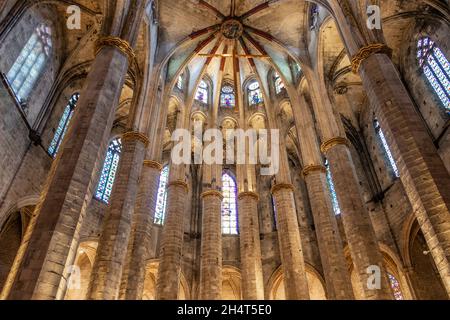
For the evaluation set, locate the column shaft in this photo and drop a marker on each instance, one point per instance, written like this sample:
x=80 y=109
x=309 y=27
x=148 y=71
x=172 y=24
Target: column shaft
x=172 y=242
x=331 y=249
x=358 y=227
x=138 y=249
x=250 y=245
x=422 y=171
x=295 y=282
x=50 y=245
x=113 y=244
x=211 y=247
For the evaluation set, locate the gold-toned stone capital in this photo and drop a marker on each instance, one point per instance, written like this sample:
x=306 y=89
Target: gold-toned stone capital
x=122 y=45
x=282 y=186
x=212 y=193
x=366 y=52
x=248 y=194
x=328 y=145
x=153 y=164
x=313 y=168
x=178 y=183
x=136 y=136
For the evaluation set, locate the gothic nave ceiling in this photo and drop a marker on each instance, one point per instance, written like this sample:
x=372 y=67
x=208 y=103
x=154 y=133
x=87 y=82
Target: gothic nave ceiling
x=208 y=34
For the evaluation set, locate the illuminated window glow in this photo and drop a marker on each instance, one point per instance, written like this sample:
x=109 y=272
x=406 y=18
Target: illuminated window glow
x=110 y=166
x=229 y=205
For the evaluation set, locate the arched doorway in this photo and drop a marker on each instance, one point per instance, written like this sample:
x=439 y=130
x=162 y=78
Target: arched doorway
x=315 y=284
x=231 y=284
x=151 y=277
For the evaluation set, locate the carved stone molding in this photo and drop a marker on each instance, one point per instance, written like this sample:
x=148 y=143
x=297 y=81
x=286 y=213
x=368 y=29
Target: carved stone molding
x=328 y=145
x=366 y=52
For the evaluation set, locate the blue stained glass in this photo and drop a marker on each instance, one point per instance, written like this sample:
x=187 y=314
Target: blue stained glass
x=386 y=147
x=63 y=125
x=254 y=94
x=109 y=171
x=436 y=68
x=279 y=85
x=334 y=198
x=395 y=286
x=227 y=98
x=229 y=205
x=29 y=65
x=202 y=92
x=161 y=201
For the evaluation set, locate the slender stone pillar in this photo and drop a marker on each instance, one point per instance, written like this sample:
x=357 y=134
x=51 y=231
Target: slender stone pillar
x=295 y=282
x=331 y=249
x=422 y=171
x=138 y=249
x=113 y=244
x=211 y=247
x=50 y=244
x=358 y=227
x=250 y=245
x=172 y=242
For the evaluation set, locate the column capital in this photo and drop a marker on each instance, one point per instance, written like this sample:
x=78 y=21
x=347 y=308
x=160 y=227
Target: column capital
x=136 y=136
x=329 y=144
x=178 y=183
x=366 y=52
x=282 y=186
x=248 y=194
x=212 y=193
x=313 y=168
x=123 y=45
x=153 y=164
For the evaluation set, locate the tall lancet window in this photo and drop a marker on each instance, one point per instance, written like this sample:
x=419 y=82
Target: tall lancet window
x=109 y=171
x=29 y=65
x=180 y=82
x=255 y=96
x=229 y=205
x=386 y=148
x=202 y=92
x=334 y=198
x=395 y=286
x=161 y=201
x=279 y=85
x=63 y=125
x=436 y=68
x=227 y=97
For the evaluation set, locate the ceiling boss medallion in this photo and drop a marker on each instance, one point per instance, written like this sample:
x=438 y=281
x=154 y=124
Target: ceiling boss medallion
x=232 y=29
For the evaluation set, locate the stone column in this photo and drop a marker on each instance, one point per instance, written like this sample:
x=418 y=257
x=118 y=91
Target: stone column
x=423 y=173
x=295 y=282
x=211 y=246
x=331 y=249
x=172 y=242
x=51 y=241
x=113 y=244
x=361 y=237
x=138 y=249
x=250 y=245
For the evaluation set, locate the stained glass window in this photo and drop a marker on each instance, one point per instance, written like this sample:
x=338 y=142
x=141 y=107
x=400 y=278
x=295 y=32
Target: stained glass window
x=227 y=97
x=274 y=207
x=436 y=68
x=28 y=67
x=202 y=92
x=254 y=94
x=109 y=171
x=313 y=15
x=161 y=201
x=386 y=148
x=180 y=82
x=395 y=286
x=229 y=205
x=63 y=125
x=279 y=85
x=334 y=198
